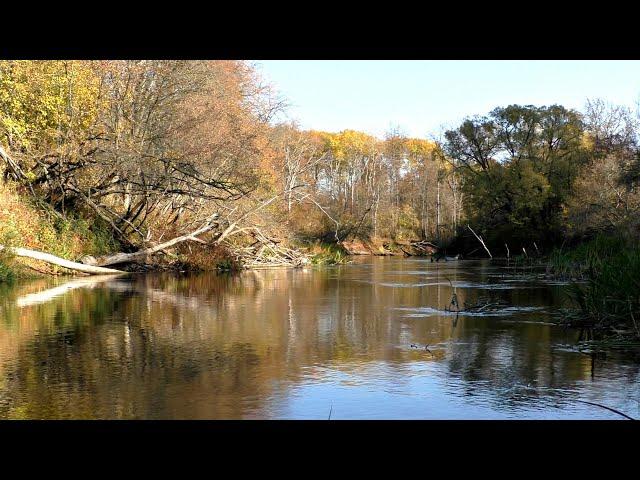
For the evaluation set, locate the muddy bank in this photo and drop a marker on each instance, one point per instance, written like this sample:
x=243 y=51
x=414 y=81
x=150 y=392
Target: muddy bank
x=390 y=248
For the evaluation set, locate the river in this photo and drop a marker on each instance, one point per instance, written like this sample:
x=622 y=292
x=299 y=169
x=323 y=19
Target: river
x=367 y=340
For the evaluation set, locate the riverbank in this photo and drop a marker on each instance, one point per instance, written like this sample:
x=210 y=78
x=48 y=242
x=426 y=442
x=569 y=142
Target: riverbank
x=336 y=253
x=28 y=224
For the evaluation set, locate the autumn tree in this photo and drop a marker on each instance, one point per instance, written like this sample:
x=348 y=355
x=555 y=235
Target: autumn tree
x=606 y=194
x=133 y=141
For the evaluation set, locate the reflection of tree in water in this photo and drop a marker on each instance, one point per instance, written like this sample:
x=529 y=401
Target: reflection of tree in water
x=207 y=346
x=127 y=368
x=160 y=346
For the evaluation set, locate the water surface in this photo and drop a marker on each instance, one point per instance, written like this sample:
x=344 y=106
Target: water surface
x=346 y=341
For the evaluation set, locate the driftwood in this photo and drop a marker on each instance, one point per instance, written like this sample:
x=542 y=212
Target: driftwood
x=426 y=248
x=263 y=252
x=131 y=257
x=537 y=251
x=266 y=252
x=421 y=248
x=47 y=257
x=406 y=254
x=482 y=305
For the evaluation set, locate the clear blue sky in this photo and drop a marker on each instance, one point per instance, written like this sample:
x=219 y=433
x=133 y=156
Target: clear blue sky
x=422 y=96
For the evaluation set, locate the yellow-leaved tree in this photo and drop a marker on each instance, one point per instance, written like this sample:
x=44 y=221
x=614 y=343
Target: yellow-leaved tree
x=47 y=108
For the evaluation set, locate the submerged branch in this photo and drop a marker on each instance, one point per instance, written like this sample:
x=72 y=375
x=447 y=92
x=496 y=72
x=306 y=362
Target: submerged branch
x=607 y=408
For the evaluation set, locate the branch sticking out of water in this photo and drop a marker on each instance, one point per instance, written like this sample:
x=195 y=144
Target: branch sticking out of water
x=454 y=298
x=480 y=240
x=607 y=408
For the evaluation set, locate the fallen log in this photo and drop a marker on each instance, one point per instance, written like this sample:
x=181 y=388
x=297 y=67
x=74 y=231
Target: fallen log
x=61 y=262
x=131 y=257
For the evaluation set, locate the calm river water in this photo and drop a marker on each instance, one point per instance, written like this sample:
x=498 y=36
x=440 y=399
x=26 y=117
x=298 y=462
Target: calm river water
x=346 y=342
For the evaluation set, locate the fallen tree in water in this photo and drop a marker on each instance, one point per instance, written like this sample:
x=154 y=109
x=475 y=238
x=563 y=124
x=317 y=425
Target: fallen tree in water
x=61 y=262
x=97 y=266
x=117 y=258
x=262 y=252
x=481 y=240
x=422 y=248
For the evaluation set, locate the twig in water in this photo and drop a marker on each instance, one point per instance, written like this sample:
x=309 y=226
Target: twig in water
x=454 y=298
x=426 y=347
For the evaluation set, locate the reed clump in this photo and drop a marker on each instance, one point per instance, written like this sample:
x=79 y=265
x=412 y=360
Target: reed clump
x=605 y=288
x=328 y=254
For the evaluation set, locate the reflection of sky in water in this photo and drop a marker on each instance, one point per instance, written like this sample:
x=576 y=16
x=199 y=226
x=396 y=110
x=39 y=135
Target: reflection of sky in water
x=427 y=391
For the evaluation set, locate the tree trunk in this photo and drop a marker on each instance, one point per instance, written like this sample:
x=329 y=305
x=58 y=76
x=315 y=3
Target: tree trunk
x=438 y=212
x=47 y=257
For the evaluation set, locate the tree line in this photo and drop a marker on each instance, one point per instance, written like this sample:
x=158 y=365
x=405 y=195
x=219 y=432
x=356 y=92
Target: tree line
x=154 y=148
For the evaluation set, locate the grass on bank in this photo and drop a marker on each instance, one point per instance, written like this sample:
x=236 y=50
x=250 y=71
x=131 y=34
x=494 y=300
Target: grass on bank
x=328 y=254
x=204 y=258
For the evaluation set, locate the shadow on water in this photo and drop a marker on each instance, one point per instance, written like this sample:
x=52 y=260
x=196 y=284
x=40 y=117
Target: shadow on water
x=367 y=340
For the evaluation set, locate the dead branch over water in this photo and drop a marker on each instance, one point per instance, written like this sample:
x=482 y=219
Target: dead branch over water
x=480 y=240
